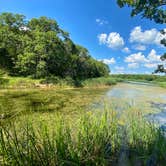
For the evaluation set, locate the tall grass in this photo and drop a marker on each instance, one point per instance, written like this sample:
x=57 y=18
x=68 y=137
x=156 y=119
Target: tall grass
x=95 y=138
x=100 y=82
x=54 y=82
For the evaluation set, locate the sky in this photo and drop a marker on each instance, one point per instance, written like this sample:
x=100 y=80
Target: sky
x=127 y=45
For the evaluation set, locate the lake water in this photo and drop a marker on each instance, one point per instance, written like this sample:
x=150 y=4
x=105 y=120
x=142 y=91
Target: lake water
x=142 y=96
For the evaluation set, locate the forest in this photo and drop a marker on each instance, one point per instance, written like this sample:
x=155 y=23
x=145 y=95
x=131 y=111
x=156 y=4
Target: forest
x=39 y=48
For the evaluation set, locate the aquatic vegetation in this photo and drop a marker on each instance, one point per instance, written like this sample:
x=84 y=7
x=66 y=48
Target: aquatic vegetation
x=63 y=127
x=92 y=138
x=18 y=102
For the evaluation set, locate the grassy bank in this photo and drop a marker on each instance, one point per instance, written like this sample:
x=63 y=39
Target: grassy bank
x=55 y=82
x=101 y=82
x=93 y=138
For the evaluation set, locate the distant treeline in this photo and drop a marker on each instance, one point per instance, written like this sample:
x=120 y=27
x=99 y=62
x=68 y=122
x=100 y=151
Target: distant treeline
x=140 y=77
x=40 y=48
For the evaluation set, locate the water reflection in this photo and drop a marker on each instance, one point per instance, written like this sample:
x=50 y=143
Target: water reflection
x=140 y=95
x=160 y=117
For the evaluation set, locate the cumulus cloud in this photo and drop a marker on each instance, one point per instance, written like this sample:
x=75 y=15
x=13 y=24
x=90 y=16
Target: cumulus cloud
x=153 y=57
x=133 y=65
x=126 y=50
x=153 y=60
x=109 y=61
x=102 y=38
x=101 y=21
x=113 y=40
x=140 y=47
x=137 y=59
x=151 y=36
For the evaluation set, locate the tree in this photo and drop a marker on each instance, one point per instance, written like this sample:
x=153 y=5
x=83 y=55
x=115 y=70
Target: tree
x=160 y=69
x=10 y=39
x=13 y=21
x=40 y=48
x=152 y=9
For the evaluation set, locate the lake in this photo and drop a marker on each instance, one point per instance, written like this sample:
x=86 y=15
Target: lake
x=146 y=97
x=141 y=95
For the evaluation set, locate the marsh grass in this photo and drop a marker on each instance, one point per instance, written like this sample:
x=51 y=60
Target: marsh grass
x=100 y=82
x=15 y=103
x=57 y=128
x=92 y=138
x=12 y=82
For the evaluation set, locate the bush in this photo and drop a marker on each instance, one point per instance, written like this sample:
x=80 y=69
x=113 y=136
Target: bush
x=69 y=81
x=50 y=80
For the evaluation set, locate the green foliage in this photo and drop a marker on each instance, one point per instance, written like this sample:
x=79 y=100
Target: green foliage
x=151 y=9
x=39 y=48
x=93 y=139
x=160 y=69
x=54 y=80
x=100 y=82
x=59 y=127
x=3 y=81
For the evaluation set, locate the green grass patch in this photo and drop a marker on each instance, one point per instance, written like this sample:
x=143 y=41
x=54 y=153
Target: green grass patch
x=95 y=138
x=102 y=81
x=55 y=82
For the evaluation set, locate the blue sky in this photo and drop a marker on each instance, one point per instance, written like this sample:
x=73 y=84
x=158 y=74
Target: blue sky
x=128 y=45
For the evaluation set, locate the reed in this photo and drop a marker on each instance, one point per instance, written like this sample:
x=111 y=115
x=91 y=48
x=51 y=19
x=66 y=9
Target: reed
x=94 y=138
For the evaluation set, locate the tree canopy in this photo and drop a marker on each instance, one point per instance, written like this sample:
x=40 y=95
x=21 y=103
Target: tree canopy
x=151 y=9
x=40 y=48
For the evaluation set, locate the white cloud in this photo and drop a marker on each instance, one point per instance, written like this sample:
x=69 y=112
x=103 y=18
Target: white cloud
x=135 y=58
x=113 y=40
x=126 y=50
x=140 y=47
x=153 y=57
x=108 y=61
x=151 y=36
x=133 y=65
x=101 y=21
x=153 y=60
x=102 y=38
